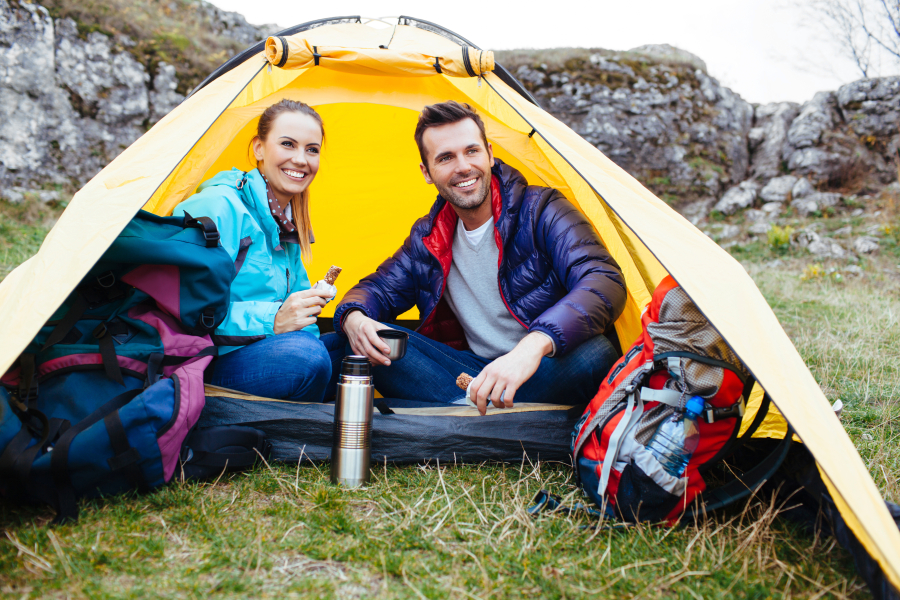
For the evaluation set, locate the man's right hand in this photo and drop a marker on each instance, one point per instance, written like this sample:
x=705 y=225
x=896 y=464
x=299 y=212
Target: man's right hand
x=362 y=333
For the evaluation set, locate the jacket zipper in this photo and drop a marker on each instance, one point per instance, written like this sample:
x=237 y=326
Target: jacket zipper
x=288 y=271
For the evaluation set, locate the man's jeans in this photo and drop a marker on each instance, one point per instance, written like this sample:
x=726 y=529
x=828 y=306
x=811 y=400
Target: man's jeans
x=429 y=370
x=288 y=366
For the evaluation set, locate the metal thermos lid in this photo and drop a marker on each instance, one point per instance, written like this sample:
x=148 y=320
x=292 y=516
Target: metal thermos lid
x=356 y=366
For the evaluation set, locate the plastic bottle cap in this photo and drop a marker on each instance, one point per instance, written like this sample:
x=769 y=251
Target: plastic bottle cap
x=695 y=405
x=356 y=366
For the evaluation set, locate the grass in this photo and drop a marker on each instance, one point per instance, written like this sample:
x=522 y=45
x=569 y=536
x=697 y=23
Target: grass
x=415 y=532
x=22 y=229
x=446 y=531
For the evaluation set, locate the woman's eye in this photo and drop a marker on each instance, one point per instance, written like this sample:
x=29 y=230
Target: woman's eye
x=287 y=144
x=313 y=150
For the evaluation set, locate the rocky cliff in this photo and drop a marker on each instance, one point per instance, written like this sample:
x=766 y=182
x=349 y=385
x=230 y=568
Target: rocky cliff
x=75 y=93
x=701 y=147
x=79 y=84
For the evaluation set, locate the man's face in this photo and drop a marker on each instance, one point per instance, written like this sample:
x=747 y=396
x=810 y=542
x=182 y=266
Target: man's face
x=459 y=165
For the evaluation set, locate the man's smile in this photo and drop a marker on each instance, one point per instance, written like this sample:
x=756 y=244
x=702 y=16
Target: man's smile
x=467 y=183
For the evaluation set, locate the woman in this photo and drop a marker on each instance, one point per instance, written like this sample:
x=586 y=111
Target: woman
x=269 y=342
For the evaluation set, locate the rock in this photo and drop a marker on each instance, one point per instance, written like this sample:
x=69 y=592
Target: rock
x=804 y=207
x=857 y=212
x=655 y=112
x=816 y=117
x=738 y=197
x=754 y=215
x=768 y=136
x=163 y=97
x=842 y=231
x=760 y=228
x=802 y=188
x=826 y=248
x=778 y=189
x=729 y=231
x=670 y=54
x=696 y=212
x=866 y=245
x=853 y=269
x=17 y=195
x=773 y=208
x=824 y=199
x=871 y=107
x=71 y=101
x=805 y=237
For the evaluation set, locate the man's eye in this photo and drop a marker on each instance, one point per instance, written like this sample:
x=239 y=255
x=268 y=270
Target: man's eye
x=444 y=159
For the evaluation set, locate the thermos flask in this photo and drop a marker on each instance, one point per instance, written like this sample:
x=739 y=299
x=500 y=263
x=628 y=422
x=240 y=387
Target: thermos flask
x=351 y=449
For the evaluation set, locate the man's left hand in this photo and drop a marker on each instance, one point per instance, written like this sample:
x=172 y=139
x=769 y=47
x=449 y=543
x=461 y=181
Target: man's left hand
x=509 y=372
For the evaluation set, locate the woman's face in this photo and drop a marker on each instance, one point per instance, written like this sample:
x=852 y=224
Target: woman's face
x=289 y=156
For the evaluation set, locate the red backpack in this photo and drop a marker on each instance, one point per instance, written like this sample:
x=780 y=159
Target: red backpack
x=679 y=355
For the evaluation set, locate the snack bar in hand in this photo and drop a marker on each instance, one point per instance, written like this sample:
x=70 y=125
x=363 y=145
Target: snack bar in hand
x=328 y=282
x=463 y=382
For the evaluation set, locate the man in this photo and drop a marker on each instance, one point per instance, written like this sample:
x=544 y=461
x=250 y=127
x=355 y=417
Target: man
x=512 y=282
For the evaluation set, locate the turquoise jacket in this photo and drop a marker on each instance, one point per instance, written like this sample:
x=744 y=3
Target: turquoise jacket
x=267 y=270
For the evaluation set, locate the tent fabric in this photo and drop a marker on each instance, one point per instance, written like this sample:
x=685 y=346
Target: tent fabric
x=449 y=59
x=416 y=432
x=369 y=191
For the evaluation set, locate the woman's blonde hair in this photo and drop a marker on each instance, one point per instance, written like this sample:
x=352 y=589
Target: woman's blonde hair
x=299 y=204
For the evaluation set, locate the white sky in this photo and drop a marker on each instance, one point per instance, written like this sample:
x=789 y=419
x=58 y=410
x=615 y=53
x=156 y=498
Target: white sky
x=763 y=49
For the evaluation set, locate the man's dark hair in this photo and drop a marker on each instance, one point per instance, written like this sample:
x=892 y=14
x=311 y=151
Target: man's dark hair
x=445 y=113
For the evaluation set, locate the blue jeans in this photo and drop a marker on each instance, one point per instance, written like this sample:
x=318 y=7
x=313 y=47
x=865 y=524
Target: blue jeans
x=429 y=370
x=288 y=366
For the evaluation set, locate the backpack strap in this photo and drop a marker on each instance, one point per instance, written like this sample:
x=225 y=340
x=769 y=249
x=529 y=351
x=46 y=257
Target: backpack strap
x=206 y=227
x=104 y=333
x=746 y=484
x=67 y=508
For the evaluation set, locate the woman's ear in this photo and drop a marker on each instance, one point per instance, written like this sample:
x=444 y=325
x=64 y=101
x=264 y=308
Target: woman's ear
x=257 y=145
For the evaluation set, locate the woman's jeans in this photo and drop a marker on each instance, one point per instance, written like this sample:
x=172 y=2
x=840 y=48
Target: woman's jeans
x=429 y=370
x=288 y=366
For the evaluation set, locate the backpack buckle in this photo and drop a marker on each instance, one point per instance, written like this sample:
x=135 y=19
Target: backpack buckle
x=714 y=414
x=208 y=318
x=100 y=331
x=107 y=280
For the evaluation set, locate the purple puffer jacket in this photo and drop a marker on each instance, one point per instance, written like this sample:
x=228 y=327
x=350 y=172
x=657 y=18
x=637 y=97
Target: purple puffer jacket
x=555 y=275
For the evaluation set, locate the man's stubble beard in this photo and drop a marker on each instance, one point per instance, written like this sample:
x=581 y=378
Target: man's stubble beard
x=449 y=193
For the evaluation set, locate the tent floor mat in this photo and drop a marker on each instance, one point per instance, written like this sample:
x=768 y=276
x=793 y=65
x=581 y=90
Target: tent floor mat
x=403 y=431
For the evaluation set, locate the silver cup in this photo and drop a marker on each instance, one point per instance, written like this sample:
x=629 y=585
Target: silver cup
x=396 y=341
x=351 y=446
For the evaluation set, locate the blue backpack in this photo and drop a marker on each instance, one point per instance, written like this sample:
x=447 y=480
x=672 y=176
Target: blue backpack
x=101 y=401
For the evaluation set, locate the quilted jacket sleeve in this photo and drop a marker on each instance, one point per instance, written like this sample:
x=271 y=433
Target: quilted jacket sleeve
x=386 y=293
x=596 y=288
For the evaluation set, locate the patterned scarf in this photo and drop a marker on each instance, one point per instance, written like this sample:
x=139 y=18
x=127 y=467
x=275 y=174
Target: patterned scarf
x=286 y=230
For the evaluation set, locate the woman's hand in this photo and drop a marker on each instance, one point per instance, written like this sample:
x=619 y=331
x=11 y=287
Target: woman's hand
x=300 y=310
x=363 y=337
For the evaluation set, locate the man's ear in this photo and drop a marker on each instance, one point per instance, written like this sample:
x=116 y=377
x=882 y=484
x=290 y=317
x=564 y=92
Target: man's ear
x=257 y=148
x=491 y=153
x=426 y=174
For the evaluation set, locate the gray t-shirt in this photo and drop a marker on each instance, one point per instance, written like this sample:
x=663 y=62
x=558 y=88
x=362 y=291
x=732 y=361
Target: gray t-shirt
x=473 y=293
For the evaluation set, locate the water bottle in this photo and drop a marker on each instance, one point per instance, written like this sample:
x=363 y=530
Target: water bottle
x=676 y=439
x=351 y=450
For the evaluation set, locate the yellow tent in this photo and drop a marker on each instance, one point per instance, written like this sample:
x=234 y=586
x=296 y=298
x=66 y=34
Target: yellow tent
x=369 y=83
